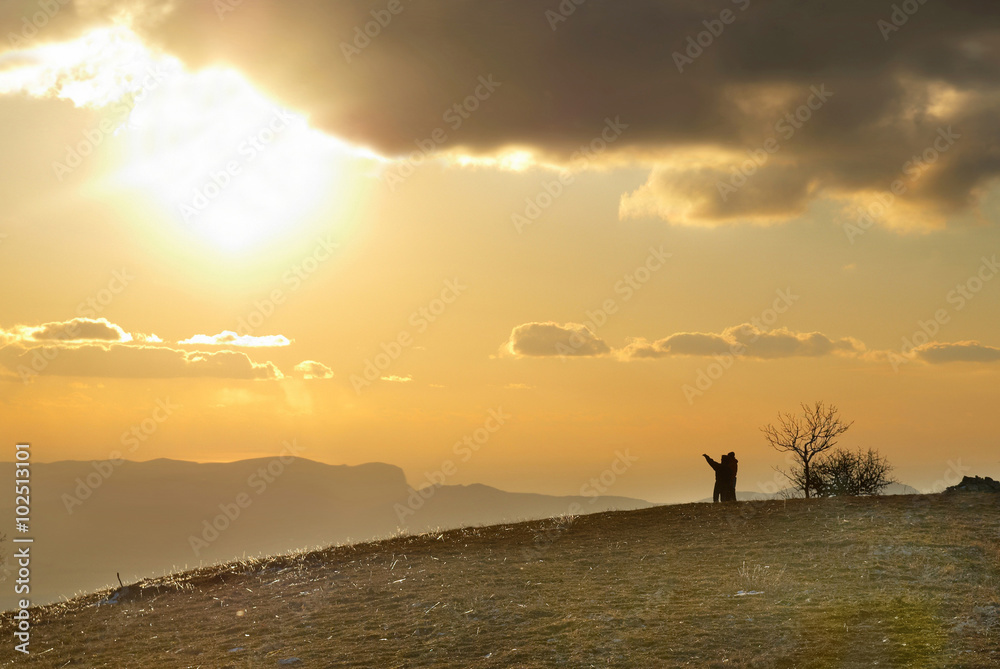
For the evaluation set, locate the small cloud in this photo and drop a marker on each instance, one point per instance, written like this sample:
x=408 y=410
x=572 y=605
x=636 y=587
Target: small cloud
x=310 y=369
x=518 y=386
x=746 y=340
x=963 y=351
x=397 y=379
x=73 y=332
x=681 y=343
x=784 y=343
x=230 y=338
x=80 y=329
x=552 y=339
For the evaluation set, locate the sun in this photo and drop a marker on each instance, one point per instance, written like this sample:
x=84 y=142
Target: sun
x=214 y=154
x=225 y=162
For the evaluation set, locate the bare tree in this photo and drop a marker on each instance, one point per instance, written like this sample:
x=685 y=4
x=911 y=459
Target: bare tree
x=804 y=438
x=851 y=473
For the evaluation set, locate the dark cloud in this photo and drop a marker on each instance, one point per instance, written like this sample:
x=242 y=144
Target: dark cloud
x=552 y=339
x=892 y=90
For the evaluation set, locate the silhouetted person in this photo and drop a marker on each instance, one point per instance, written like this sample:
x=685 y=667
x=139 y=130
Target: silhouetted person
x=721 y=475
x=725 y=477
x=732 y=464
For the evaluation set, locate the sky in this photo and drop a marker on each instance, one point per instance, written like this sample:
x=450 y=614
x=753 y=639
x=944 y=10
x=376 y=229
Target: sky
x=522 y=243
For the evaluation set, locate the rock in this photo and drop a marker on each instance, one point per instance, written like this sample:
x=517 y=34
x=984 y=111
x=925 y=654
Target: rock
x=975 y=484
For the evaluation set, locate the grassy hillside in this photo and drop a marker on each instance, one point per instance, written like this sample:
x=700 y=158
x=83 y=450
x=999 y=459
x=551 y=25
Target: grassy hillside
x=907 y=581
x=141 y=518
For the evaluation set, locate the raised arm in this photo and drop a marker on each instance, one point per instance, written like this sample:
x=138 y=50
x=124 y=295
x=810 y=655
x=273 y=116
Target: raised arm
x=715 y=465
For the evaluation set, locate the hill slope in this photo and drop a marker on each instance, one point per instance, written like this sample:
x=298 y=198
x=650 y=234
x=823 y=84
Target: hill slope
x=149 y=518
x=897 y=581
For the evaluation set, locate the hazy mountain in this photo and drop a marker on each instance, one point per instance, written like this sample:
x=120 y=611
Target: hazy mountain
x=141 y=519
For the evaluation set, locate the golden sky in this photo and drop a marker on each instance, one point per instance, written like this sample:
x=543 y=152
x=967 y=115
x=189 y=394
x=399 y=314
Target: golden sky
x=226 y=225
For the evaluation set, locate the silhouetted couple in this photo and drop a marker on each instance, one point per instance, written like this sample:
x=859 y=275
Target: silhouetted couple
x=725 y=477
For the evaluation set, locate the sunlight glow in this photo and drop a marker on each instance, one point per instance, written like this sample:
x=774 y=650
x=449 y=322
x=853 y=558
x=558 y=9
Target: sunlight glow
x=228 y=163
x=104 y=67
x=218 y=157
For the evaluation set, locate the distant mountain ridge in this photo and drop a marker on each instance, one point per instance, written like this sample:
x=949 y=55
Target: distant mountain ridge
x=91 y=520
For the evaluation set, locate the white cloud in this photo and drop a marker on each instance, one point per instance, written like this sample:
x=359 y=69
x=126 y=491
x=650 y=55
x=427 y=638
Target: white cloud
x=310 y=369
x=230 y=338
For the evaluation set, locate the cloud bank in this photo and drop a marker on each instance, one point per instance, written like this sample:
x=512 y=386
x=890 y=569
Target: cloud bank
x=964 y=351
x=785 y=101
x=89 y=347
x=746 y=340
x=533 y=340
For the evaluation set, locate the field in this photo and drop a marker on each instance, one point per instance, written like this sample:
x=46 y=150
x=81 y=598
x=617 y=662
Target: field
x=904 y=581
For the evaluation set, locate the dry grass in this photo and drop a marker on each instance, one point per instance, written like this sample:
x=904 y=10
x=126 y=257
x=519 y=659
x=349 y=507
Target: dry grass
x=900 y=582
